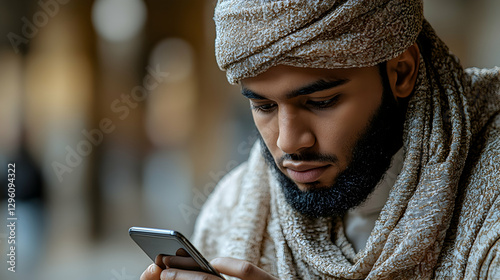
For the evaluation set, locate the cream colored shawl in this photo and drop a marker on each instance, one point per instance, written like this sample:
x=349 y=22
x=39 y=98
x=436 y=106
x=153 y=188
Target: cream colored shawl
x=442 y=217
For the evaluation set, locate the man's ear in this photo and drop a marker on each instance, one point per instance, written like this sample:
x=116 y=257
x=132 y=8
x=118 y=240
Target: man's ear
x=402 y=72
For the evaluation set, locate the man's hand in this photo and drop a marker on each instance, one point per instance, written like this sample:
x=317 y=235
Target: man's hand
x=229 y=266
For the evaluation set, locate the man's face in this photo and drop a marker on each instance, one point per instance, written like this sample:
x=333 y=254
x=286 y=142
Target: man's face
x=325 y=133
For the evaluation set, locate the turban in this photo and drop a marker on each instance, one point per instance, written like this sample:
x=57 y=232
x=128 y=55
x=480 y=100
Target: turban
x=252 y=36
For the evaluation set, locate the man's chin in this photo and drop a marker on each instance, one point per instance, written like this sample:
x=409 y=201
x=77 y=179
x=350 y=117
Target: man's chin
x=305 y=187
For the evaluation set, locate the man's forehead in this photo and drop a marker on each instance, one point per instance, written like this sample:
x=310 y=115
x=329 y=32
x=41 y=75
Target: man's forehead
x=292 y=92
x=291 y=72
x=287 y=71
x=293 y=81
x=289 y=82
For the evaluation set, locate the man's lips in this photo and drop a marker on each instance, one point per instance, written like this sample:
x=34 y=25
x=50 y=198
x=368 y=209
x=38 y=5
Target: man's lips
x=305 y=172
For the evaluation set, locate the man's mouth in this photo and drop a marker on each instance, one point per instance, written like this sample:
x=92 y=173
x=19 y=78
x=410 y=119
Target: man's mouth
x=305 y=172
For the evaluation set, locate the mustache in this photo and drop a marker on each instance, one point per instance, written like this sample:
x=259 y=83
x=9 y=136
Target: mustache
x=308 y=156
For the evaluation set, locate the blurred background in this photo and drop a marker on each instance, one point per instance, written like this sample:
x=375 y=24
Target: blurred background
x=115 y=114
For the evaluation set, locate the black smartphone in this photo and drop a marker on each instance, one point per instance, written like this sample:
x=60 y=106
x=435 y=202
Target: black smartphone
x=179 y=252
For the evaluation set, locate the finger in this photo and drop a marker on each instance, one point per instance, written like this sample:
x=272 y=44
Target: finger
x=240 y=268
x=159 y=261
x=179 y=274
x=186 y=263
x=183 y=253
x=151 y=273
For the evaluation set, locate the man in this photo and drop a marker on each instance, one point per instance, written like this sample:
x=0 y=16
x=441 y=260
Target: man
x=379 y=155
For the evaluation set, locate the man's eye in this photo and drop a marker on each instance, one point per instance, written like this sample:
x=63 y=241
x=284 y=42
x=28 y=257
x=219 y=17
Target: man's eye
x=325 y=103
x=264 y=108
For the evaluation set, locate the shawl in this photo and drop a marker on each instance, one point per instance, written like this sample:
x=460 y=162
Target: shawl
x=442 y=217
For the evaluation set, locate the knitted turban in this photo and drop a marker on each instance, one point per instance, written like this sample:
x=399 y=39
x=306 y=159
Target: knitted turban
x=254 y=35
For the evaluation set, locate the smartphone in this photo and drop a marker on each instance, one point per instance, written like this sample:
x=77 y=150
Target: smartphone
x=179 y=252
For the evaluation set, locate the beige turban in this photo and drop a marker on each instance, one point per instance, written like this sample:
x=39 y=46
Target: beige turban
x=253 y=36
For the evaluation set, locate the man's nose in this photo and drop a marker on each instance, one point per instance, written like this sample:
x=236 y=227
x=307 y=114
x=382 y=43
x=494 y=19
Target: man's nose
x=294 y=132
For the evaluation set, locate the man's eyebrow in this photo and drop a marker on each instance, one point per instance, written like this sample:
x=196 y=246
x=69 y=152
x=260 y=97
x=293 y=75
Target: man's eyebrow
x=319 y=85
x=250 y=94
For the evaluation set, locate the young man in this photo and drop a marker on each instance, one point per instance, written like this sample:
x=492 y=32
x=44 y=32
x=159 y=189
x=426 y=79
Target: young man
x=379 y=155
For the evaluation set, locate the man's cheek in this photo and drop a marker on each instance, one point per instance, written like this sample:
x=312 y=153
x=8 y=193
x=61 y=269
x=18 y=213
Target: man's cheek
x=270 y=136
x=269 y=133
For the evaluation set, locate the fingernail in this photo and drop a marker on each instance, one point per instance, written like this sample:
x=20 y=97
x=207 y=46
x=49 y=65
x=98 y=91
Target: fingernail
x=152 y=268
x=215 y=261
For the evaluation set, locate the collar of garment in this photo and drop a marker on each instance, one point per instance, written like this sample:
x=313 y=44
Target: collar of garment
x=360 y=221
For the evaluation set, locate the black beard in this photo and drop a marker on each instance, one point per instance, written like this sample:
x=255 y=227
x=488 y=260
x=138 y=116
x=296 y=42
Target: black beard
x=371 y=158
